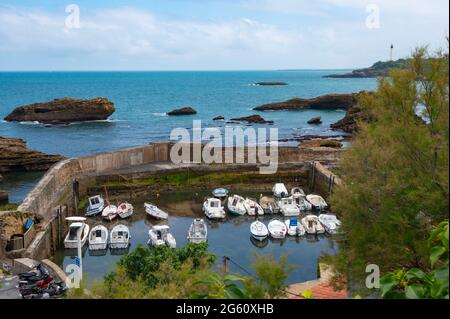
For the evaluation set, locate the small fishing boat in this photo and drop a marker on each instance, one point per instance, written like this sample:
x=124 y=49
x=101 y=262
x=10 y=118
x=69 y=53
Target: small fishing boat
x=125 y=210
x=160 y=235
x=277 y=229
x=312 y=225
x=258 y=230
x=119 y=237
x=252 y=207
x=294 y=228
x=110 y=212
x=198 y=231
x=155 y=212
x=213 y=209
x=220 y=193
x=275 y=206
x=299 y=197
x=96 y=205
x=317 y=202
x=71 y=239
x=279 y=190
x=288 y=207
x=265 y=203
x=98 y=238
x=235 y=205
x=330 y=223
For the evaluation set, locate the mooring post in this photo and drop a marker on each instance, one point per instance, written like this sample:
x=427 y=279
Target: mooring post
x=225 y=265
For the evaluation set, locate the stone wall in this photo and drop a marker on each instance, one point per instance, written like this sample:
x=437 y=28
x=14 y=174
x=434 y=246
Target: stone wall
x=322 y=180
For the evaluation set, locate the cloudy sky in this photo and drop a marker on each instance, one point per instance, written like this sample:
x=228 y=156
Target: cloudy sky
x=214 y=34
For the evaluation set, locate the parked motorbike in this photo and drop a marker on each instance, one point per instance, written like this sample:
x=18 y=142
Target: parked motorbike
x=54 y=290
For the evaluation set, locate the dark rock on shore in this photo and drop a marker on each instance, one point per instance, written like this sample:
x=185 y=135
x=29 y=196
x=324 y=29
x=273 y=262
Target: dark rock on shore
x=320 y=143
x=378 y=69
x=15 y=156
x=271 y=83
x=3 y=197
x=349 y=123
x=256 y=119
x=324 y=102
x=219 y=118
x=64 y=110
x=183 y=111
x=315 y=120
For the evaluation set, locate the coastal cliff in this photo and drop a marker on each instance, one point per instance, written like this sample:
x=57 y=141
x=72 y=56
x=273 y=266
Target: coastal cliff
x=64 y=110
x=378 y=69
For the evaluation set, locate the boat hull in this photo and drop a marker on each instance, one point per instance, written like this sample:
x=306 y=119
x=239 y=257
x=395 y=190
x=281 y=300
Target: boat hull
x=98 y=246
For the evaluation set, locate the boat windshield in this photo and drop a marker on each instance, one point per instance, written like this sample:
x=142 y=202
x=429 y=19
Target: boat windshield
x=73 y=233
x=94 y=201
x=214 y=204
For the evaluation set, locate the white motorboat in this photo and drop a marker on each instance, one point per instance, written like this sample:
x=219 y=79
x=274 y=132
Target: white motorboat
x=110 y=212
x=220 y=193
x=317 y=202
x=266 y=204
x=198 y=231
x=294 y=228
x=299 y=197
x=160 y=235
x=213 y=209
x=155 y=212
x=288 y=207
x=96 y=205
x=235 y=205
x=98 y=238
x=312 y=225
x=277 y=229
x=125 y=210
x=330 y=223
x=71 y=240
x=252 y=207
x=119 y=237
x=258 y=230
x=275 y=206
x=279 y=190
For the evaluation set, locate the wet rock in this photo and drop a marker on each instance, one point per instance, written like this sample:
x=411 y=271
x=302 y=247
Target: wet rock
x=219 y=118
x=320 y=143
x=64 y=110
x=183 y=111
x=271 y=83
x=349 y=123
x=252 y=119
x=315 y=120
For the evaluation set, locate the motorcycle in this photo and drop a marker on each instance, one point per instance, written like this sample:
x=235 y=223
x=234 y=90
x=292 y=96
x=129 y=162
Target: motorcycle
x=54 y=290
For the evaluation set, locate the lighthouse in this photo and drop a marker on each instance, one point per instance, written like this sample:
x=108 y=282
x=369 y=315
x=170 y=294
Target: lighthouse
x=392 y=52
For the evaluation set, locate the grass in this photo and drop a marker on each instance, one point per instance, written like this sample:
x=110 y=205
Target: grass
x=9 y=207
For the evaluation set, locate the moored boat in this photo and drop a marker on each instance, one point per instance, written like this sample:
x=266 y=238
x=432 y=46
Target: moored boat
x=160 y=235
x=279 y=190
x=312 y=225
x=125 y=210
x=95 y=206
x=213 y=209
x=330 y=223
x=258 y=230
x=288 y=207
x=98 y=238
x=235 y=205
x=266 y=204
x=110 y=212
x=119 y=237
x=294 y=228
x=79 y=226
x=299 y=197
x=317 y=201
x=155 y=212
x=252 y=207
x=277 y=229
x=220 y=193
x=198 y=231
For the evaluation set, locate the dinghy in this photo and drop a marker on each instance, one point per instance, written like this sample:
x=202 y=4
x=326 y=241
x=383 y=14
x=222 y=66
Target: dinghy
x=265 y=203
x=312 y=225
x=252 y=207
x=258 y=230
x=119 y=237
x=71 y=240
x=294 y=228
x=198 y=232
x=288 y=207
x=110 y=212
x=212 y=207
x=330 y=223
x=277 y=229
x=98 y=238
x=160 y=235
x=220 y=193
x=317 y=202
x=275 y=206
x=96 y=205
x=279 y=190
x=235 y=205
x=155 y=212
x=125 y=210
x=299 y=197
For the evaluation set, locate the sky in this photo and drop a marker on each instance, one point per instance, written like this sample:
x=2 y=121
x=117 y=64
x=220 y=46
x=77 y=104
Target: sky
x=214 y=34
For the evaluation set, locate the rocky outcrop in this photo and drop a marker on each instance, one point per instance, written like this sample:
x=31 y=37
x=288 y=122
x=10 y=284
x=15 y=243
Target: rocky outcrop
x=219 y=118
x=315 y=120
x=271 y=83
x=320 y=143
x=183 y=111
x=378 y=69
x=324 y=102
x=3 y=197
x=64 y=110
x=15 y=156
x=349 y=123
x=252 y=119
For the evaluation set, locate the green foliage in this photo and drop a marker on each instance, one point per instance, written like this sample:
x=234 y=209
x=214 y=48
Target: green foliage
x=216 y=286
x=307 y=294
x=416 y=283
x=396 y=171
x=386 y=65
x=9 y=207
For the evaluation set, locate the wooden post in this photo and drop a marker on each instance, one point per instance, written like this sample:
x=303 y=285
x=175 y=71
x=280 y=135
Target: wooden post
x=225 y=265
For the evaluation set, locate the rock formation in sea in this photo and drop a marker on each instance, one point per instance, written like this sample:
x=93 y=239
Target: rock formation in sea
x=315 y=120
x=252 y=119
x=320 y=143
x=349 y=123
x=219 y=118
x=324 y=102
x=183 y=111
x=271 y=83
x=15 y=156
x=63 y=110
